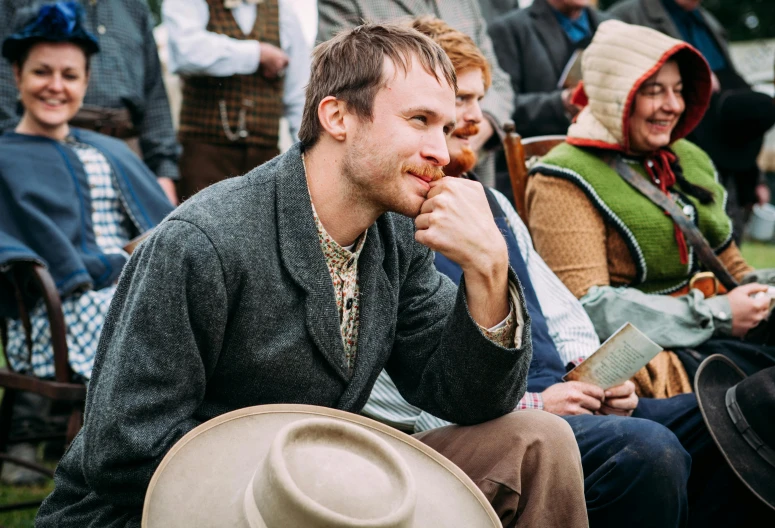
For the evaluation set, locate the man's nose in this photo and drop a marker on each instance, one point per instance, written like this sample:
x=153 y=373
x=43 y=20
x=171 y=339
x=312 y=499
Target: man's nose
x=473 y=114
x=435 y=148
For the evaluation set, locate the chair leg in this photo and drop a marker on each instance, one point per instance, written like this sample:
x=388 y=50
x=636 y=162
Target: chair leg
x=74 y=424
x=6 y=413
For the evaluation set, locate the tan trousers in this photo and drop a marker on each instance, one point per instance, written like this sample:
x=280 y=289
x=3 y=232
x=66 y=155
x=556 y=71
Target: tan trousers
x=203 y=164
x=526 y=463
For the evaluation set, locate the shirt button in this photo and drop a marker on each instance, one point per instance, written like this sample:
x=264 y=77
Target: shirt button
x=349 y=304
x=722 y=316
x=101 y=29
x=687 y=210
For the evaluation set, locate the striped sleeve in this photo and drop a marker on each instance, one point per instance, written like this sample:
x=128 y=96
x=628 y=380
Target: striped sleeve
x=569 y=325
x=386 y=405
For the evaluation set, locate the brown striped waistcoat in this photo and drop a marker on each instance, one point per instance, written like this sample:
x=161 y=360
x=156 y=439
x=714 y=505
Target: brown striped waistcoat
x=260 y=100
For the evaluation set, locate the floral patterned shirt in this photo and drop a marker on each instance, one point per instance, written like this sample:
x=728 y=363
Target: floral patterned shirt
x=343 y=267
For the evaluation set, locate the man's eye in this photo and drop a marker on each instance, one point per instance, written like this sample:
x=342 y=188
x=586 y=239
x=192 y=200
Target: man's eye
x=447 y=130
x=421 y=118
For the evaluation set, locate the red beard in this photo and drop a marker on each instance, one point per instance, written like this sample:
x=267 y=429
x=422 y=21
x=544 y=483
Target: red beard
x=461 y=163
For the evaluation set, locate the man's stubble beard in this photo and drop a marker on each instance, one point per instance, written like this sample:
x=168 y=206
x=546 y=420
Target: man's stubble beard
x=378 y=188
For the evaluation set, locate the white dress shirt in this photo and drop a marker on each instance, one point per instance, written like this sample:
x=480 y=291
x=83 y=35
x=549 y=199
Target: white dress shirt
x=196 y=51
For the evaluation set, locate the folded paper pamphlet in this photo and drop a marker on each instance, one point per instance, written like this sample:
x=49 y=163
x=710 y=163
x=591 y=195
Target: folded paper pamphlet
x=617 y=360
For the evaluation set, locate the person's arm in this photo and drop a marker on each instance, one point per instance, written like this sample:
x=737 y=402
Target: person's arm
x=157 y=136
x=196 y=51
x=336 y=15
x=441 y=360
x=670 y=322
x=161 y=340
x=534 y=113
x=297 y=73
x=569 y=325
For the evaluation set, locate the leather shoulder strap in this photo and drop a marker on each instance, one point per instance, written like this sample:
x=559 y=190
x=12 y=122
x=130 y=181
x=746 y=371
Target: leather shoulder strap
x=693 y=235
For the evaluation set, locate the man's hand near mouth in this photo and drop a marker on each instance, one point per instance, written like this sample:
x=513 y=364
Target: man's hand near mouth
x=456 y=221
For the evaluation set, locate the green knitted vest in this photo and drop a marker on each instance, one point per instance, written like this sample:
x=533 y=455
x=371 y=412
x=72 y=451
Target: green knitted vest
x=646 y=229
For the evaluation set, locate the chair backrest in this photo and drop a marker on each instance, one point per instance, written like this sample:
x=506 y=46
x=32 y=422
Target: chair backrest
x=518 y=153
x=26 y=276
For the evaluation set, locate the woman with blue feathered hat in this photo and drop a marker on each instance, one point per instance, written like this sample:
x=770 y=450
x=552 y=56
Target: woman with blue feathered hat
x=71 y=199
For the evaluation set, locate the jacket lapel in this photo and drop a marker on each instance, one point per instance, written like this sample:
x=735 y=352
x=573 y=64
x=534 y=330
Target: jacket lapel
x=302 y=257
x=376 y=322
x=551 y=34
x=659 y=19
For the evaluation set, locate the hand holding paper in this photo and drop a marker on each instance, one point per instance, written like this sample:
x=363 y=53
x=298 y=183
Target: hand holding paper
x=617 y=360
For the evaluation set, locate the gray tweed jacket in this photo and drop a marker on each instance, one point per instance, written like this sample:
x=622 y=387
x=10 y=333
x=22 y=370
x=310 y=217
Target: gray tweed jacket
x=230 y=304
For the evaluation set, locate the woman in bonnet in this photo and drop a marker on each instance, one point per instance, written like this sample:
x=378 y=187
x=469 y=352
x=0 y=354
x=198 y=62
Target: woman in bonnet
x=71 y=198
x=617 y=251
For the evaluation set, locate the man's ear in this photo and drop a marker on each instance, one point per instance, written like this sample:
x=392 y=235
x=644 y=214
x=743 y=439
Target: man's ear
x=16 y=73
x=332 y=115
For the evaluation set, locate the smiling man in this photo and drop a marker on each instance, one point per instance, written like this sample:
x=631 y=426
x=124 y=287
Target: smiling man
x=301 y=281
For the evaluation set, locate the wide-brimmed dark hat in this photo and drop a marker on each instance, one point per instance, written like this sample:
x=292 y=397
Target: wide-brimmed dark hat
x=58 y=22
x=740 y=414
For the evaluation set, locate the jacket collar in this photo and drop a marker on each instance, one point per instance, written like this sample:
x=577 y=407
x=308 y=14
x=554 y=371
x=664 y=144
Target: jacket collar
x=550 y=33
x=659 y=17
x=302 y=256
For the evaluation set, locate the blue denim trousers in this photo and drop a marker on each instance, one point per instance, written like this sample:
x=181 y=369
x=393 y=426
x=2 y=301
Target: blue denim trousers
x=661 y=468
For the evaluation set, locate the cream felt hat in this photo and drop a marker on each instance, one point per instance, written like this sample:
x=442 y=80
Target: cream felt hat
x=286 y=466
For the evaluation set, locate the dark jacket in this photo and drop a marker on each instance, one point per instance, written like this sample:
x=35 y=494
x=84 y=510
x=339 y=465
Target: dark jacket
x=533 y=49
x=492 y=9
x=652 y=13
x=230 y=304
x=45 y=208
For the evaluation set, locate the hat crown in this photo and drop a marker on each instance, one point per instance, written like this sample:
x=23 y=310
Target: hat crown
x=756 y=400
x=58 y=19
x=57 y=22
x=323 y=473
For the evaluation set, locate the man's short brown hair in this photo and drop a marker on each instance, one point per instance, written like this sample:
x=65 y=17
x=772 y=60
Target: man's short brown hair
x=350 y=67
x=458 y=46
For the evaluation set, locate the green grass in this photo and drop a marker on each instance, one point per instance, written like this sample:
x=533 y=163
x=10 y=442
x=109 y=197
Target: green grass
x=758 y=254
x=22 y=518
x=11 y=494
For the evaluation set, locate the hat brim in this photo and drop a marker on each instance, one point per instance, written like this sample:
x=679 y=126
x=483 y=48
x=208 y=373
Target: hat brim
x=13 y=47
x=202 y=479
x=714 y=377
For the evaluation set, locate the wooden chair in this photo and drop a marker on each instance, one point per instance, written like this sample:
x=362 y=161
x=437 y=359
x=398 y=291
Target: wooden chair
x=518 y=153
x=24 y=277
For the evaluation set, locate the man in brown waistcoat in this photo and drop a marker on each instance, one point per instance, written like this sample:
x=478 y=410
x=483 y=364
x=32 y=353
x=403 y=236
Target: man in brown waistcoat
x=244 y=64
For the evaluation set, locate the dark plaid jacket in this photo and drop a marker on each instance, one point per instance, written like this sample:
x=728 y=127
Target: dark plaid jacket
x=210 y=104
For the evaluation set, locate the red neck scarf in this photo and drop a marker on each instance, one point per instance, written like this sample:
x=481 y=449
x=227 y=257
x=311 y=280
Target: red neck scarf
x=658 y=167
